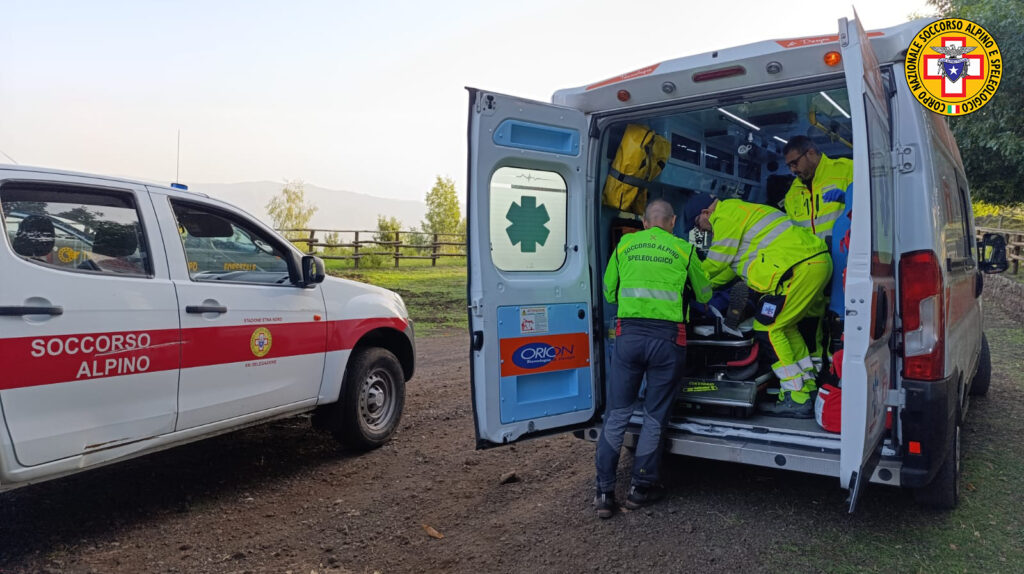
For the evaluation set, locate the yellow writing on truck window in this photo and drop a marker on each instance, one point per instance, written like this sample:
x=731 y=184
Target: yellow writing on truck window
x=240 y=267
x=193 y=266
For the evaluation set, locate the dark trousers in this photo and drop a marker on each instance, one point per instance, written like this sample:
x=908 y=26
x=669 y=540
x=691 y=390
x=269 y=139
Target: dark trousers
x=663 y=362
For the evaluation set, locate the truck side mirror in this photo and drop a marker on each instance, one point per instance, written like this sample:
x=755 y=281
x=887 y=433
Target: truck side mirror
x=992 y=253
x=312 y=270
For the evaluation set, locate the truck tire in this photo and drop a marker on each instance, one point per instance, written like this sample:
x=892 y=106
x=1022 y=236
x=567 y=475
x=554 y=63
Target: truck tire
x=371 y=402
x=944 y=490
x=983 y=376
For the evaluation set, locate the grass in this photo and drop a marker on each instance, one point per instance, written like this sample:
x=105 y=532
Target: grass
x=435 y=296
x=985 y=533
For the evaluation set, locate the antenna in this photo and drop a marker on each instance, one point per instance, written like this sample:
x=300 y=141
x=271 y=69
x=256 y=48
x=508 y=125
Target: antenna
x=14 y=161
x=177 y=167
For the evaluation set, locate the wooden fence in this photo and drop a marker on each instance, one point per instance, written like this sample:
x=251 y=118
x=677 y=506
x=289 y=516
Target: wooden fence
x=1014 y=244
x=365 y=243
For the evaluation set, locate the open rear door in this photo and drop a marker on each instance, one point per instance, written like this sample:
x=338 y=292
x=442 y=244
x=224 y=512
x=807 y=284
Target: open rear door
x=868 y=363
x=529 y=278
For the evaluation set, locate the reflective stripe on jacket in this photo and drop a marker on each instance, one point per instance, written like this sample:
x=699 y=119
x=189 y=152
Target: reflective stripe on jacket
x=755 y=242
x=807 y=208
x=648 y=272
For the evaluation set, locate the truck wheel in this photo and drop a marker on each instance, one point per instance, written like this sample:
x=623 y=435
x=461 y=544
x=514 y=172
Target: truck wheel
x=982 y=378
x=944 y=490
x=372 y=398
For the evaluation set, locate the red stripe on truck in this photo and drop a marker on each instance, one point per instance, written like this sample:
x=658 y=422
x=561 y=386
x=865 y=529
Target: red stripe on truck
x=47 y=360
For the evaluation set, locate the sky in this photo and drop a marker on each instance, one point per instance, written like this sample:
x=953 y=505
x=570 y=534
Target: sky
x=363 y=96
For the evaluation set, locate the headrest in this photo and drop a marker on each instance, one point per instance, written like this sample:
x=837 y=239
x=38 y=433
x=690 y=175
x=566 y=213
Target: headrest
x=35 y=236
x=115 y=239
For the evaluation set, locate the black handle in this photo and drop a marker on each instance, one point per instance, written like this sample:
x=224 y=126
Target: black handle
x=20 y=310
x=478 y=340
x=205 y=309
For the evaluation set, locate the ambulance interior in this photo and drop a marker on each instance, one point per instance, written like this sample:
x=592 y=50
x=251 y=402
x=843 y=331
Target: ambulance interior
x=732 y=151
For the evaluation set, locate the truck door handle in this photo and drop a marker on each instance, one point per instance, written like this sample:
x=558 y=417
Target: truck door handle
x=14 y=311
x=197 y=309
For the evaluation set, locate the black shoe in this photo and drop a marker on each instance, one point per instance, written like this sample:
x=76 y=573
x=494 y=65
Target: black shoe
x=788 y=408
x=604 y=502
x=644 y=495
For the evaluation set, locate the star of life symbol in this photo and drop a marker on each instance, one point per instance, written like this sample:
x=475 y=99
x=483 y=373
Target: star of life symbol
x=954 y=67
x=529 y=224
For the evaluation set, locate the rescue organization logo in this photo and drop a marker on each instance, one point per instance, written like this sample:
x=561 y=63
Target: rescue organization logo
x=536 y=355
x=953 y=67
x=260 y=342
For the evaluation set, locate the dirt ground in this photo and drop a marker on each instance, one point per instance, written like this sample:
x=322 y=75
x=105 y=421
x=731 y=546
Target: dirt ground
x=285 y=498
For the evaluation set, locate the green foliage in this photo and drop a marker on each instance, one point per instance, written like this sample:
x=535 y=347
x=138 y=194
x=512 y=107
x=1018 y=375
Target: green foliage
x=290 y=210
x=999 y=216
x=387 y=228
x=992 y=139
x=443 y=213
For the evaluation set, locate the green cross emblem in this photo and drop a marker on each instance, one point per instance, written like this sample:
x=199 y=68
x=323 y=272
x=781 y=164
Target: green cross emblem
x=528 y=223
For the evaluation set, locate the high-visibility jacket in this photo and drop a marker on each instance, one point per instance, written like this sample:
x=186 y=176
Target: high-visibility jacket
x=648 y=272
x=755 y=242
x=806 y=207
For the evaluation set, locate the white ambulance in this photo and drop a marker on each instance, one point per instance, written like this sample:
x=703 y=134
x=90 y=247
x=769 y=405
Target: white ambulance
x=136 y=317
x=540 y=238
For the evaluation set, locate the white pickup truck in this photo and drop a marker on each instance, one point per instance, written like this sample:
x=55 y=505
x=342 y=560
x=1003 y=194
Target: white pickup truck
x=136 y=317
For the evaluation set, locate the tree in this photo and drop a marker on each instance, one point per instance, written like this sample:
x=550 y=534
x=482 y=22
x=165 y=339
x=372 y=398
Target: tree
x=991 y=139
x=290 y=210
x=443 y=213
x=387 y=228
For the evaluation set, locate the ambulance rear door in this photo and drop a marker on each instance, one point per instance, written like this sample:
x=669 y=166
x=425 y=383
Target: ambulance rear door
x=868 y=364
x=529 y=282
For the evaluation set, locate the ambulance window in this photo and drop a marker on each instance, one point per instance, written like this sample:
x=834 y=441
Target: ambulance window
x=718 y=160
x=956 y=228
x=220 y=246
x=685 y=149
x=527 y=213
x=75 y=229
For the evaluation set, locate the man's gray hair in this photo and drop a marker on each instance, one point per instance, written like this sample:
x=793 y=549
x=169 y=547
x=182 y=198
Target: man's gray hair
x=659 y=213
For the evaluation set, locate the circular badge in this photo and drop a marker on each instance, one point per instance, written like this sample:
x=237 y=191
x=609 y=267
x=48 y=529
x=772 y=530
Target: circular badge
x=953 y=67
x=260 y=341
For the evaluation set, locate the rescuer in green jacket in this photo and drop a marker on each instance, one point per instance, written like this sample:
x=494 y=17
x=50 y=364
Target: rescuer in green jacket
x=646 y=276
x=783 y=262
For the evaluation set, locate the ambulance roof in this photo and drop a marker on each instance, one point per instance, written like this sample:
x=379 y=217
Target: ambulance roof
x=740 y=67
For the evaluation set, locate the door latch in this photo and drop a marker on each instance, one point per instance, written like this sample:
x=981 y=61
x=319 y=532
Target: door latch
x=476 y=307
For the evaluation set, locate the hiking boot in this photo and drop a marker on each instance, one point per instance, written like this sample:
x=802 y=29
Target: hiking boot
x=643 y=495
x=788 y=408
x=604 y=502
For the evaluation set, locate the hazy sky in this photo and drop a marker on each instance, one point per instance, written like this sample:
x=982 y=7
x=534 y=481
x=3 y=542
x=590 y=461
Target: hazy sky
x=363 y=96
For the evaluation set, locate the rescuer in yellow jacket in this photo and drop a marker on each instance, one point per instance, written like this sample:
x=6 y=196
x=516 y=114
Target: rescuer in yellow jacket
x=816 y=197
x=647 y=276
x=815 y=200
x=783 y=262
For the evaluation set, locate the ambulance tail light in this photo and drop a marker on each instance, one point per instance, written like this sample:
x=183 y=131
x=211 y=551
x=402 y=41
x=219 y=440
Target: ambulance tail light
x=923 y=307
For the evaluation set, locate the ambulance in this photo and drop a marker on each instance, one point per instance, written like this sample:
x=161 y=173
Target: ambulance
x=136 y=317
x=541 y=230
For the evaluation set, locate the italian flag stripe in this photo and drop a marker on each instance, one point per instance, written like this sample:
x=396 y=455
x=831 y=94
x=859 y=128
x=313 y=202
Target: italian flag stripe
x=953 y=108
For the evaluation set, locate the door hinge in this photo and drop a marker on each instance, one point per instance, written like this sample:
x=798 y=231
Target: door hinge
x=896 y=398
x=477 y=307
x=904 y=158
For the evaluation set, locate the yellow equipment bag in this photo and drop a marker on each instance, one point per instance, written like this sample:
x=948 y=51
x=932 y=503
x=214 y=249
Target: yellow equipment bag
x=640 y=158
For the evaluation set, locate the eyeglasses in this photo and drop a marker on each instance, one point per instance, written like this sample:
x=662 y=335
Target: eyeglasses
x=792 y=164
